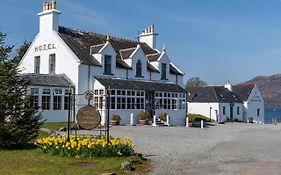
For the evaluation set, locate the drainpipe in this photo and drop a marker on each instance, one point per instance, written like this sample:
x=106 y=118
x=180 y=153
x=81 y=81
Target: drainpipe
x=89 y=76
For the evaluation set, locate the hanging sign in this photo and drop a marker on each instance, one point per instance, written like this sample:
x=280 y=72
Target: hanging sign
x=88 y=117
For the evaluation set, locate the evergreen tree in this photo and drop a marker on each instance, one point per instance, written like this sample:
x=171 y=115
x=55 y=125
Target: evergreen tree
x=19 y=120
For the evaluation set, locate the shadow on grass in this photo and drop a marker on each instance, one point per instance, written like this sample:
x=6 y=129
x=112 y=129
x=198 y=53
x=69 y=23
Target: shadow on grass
x=28 y=146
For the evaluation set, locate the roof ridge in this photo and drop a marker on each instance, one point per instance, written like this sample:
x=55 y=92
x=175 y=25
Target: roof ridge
x=152 y=54
x=95 y=33
x=132 y=48
x=97 y=45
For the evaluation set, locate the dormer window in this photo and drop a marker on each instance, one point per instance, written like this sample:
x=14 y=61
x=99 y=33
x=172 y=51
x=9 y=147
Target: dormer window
x=164 y=71
x=107 y=64
x=138 y=69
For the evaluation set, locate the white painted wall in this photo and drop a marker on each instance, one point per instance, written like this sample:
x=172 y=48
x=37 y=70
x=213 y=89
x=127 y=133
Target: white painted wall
x=254 y=102
x=209 y=109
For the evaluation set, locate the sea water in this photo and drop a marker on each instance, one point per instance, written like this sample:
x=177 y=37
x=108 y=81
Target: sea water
x=272 y=113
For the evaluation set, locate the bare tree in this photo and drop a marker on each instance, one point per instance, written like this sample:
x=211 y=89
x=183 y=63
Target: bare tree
x=195 y=82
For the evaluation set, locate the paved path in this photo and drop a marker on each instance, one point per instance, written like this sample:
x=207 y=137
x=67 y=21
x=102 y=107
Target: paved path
x=224 y=149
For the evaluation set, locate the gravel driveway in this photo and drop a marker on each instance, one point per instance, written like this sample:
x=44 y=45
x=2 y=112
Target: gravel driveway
x=232 y=148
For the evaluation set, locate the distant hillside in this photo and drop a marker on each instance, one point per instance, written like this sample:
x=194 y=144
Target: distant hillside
x=270 y=87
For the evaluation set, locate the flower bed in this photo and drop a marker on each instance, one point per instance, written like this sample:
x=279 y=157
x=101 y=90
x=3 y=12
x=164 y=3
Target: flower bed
x=85 y=147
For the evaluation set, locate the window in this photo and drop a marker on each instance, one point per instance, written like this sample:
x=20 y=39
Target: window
x=34 y=97
x=66 y=99
x=107 y=64
x=57 y=102
x=46 y=99
x=238 y=110
x=52 y=63
x=223 y=110
x=164 y=71
x=258 y=112
x=37 y=65
x=138 y=69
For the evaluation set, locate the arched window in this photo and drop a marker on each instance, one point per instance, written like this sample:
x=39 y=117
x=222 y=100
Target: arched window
x=138 y=69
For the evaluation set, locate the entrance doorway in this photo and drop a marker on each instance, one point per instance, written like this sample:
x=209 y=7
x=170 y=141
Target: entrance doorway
x=231 y=113
x=149 y=103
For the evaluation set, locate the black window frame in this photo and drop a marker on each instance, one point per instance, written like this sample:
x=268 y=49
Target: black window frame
x=138 y=69
x=163 y=71
x=107 y=65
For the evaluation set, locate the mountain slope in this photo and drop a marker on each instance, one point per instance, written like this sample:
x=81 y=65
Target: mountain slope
x=270 y=88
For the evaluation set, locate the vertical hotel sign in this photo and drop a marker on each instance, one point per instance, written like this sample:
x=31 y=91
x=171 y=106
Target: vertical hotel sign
x=50 y=46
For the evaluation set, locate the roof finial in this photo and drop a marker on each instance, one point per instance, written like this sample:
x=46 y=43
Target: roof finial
x=108 y=37
x=164 y=48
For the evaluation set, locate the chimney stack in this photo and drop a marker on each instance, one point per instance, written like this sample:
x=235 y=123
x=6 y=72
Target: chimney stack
x=148 y=36
x=228 y=86
x=49 y=18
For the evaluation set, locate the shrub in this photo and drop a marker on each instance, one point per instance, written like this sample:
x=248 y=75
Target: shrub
x=85 y=147
x=198 y=117
x=143 y=115
x=116 y=118
x=163 y=117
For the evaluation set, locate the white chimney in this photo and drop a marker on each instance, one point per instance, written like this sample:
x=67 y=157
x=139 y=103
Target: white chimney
x=49 y=18
x=228 y=85
x=148 y=37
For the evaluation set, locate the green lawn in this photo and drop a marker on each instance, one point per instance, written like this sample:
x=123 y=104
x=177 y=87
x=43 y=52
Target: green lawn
x=56 y=125
x=31 y=161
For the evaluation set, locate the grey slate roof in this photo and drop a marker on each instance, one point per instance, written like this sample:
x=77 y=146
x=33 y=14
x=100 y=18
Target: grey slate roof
x=126 y=53
x=81 y=41
x=151 y=68
x=139 y=85
x=153 y=57
x=58 y=80
x=173 y=70
x=212 y=94
x=243 y=90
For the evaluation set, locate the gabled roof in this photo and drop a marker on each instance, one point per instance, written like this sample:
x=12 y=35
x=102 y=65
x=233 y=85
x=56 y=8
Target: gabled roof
x=173 y=70
x=139 y=85
x=151 y=68
x=126 y=53
x=58 y=80
x=211 y=94
x=153 y=57
x=243 y=90
x=81 y=41
x=96 y=48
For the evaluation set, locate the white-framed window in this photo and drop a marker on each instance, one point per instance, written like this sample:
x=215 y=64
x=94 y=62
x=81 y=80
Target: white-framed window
x=223 y=110
x=52 y=63
x=34 y=97
x=46 y=99
x=67 y=99
x=37 y=65
x=57 y=99
x=127 y=99
x=169 y=100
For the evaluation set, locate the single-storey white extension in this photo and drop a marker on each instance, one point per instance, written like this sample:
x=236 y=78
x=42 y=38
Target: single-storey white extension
x=227 y=103
x=137 y=75
x=215 y=102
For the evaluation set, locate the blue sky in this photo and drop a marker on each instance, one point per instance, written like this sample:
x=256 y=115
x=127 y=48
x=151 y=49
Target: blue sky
x=217 y=40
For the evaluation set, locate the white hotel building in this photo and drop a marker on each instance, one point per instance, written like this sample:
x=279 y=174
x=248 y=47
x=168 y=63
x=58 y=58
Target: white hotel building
x=139 y=76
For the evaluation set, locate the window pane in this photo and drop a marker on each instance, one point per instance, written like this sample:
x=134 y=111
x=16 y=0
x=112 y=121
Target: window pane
x=57 y=102
x=107 y=64
x=46 y=102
